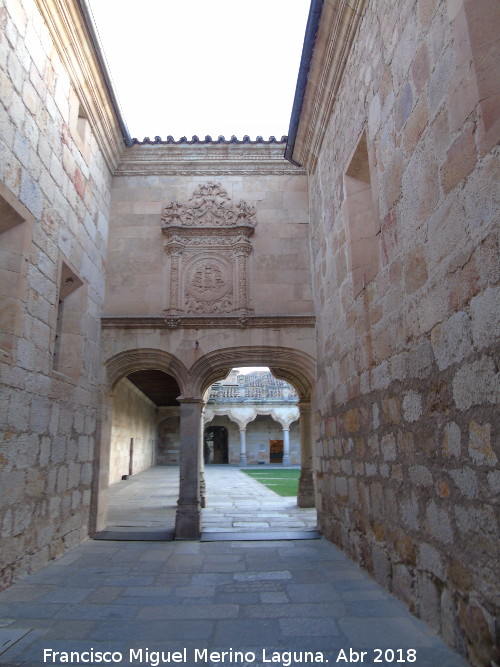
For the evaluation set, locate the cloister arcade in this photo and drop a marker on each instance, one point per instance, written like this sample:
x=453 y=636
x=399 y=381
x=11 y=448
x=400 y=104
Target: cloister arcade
x=134 y=372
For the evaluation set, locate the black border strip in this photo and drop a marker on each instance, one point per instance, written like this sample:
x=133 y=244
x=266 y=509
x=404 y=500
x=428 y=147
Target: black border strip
x=305 y=63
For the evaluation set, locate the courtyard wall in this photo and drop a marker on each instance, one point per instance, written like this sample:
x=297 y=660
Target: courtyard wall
x=134 y=418
x=55 y=169
x=151 y=176
x=404 y=235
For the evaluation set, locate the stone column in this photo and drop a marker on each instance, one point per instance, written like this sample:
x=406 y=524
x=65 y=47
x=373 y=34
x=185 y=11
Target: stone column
x=100 y=483
x=203 y=486
x=286 y=447
x=243 y=447
x=188 y=518
x=305 y=497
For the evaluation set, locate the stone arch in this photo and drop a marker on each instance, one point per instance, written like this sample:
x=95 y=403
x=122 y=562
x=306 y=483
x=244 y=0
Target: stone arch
x=294 y=366
x=128 y=361
x=118 y=367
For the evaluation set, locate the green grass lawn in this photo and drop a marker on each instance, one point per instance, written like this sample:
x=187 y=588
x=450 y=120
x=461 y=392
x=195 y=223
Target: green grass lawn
x=283 y=482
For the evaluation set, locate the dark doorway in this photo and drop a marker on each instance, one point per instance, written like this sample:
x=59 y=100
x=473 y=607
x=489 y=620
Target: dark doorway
x=275 y=451
x=215 y=445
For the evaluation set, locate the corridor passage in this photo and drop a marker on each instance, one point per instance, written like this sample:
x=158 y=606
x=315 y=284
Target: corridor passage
x=260 y=596
x=216 y=596
x=235 y=503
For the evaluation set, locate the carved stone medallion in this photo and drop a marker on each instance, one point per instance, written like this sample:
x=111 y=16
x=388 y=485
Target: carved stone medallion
x=209 y=286
x=208 y=244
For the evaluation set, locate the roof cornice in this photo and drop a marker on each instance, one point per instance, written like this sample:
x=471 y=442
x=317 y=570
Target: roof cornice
x=76 y=43
x=323 y=61
x=206 y=159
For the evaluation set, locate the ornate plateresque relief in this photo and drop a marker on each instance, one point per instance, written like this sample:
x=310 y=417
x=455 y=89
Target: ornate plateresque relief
x=208 y=241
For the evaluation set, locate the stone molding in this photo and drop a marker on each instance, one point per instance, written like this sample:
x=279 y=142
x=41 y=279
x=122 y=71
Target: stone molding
x=300 y=367
x=338 y=25
x=208 y=322
x=122 y=364
x=208 y=243
x=209 y=159
x=68 y=29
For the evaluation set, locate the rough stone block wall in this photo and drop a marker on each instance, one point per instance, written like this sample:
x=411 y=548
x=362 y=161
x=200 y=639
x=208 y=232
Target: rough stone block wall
x=48 y=420
x=134 y=416
x=408 y=382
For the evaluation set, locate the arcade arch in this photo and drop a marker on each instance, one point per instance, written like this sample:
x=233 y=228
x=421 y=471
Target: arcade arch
x=295 y=366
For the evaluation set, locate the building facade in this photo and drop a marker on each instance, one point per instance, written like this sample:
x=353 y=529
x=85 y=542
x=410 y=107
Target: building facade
x=363 y=269
x=252 y=418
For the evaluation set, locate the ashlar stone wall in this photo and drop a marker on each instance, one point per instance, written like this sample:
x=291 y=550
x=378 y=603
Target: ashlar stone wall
x=404 y=228
x=169 y=438
x=151 y=177
x=54 y=200
x=134 y=417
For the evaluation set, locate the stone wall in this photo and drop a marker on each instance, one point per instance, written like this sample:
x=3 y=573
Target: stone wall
x=54 y=202
x=404 y=226
x=264 y=429
x=134 y=417
x=139 y=267
x=169 y=439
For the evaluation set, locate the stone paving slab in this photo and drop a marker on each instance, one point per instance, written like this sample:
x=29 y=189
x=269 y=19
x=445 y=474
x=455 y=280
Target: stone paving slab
x=235 y=502
x=273 y=596
x=266 y=597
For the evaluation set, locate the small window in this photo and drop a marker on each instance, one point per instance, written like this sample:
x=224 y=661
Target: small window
x=82 y=124
x=68 y=346
x=15 y=236
x=362 y=219
x=79 y=125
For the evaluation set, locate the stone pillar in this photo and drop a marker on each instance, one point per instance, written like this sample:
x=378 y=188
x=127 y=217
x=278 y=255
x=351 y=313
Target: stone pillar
x=243 y=447
x=100 y=483
x=203 y=486
x=305 y=496
x=286 y=447
x=188 y=518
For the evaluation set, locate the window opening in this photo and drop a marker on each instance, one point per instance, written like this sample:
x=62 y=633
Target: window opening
x=68 y=338
x=362 y=220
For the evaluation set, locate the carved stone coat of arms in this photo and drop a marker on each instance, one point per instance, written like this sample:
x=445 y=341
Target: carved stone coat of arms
x=208 y=242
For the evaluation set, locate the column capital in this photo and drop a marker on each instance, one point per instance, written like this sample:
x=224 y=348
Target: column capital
x=190 y=399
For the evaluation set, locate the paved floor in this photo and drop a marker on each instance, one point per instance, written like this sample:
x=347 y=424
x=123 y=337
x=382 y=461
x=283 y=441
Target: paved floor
x=148 y=499
x=235 y=502
x=261 y=597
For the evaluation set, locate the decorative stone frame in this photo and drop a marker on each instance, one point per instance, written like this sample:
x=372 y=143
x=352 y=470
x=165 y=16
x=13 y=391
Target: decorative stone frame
x=208 y=242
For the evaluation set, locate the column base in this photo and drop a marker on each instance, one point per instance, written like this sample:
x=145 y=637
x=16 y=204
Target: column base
x=188 y=522
x=305 y=496
x=286 y=460
x=243 y=460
